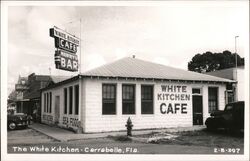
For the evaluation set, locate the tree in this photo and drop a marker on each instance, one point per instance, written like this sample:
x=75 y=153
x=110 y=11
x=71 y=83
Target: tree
x=208 y=61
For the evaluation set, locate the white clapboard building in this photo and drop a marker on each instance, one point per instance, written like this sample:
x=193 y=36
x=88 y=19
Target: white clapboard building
x=152 y=95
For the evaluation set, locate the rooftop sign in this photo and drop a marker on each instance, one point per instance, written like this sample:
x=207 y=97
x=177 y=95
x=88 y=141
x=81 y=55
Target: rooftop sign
x=66 y=45
x=66 y=61
x=55 y=32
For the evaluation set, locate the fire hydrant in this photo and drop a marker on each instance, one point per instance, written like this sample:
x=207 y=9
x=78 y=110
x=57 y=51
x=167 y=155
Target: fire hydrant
x=129 y=126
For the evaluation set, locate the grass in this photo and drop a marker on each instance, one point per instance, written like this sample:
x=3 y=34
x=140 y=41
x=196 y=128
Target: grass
x=205 y=138
x=219 y=139
x=121 y=138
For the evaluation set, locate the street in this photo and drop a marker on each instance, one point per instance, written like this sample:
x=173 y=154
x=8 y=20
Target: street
x=31 y=141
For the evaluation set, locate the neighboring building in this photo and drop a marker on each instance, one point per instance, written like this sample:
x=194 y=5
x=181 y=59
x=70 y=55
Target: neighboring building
x=152 y=95
x=236 y=92
x=29 y=94
x=17 y=95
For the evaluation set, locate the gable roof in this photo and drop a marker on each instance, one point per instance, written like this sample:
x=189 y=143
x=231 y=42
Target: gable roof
x=57 y=79
x=136 y=68
x=228 y=73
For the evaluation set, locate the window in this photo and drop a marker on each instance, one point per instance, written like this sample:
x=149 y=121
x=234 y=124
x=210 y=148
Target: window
x=147 y=99
x=44 y=102
x=76 y=99
x=47 y=102
x=229 y=108
x=229 y=96
x=47 y=105
x=108 y=99
x=70 y=100
x=196 y=91
x=128 y=99
x=212 y=98
x=50 y=102
x=65 y=100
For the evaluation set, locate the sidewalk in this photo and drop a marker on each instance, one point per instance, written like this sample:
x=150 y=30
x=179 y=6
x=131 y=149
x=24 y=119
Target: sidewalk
x=63 y=135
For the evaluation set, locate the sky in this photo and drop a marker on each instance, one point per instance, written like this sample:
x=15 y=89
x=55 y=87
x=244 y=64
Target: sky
x=170 y=33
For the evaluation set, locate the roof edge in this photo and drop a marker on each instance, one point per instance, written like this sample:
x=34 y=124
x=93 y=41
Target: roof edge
x=80 y=76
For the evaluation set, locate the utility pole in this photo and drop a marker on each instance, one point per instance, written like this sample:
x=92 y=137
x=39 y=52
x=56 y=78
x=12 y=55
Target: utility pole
x=80 y=55
x=80 y=115
x=236 y=79
x=80 y=111
x=49 y=71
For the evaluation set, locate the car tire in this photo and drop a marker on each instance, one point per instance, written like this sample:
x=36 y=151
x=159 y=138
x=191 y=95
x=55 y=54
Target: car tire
x=210 y=127
x=12 y=126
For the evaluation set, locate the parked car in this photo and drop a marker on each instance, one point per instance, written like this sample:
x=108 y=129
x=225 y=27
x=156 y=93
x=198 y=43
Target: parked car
x=231 y=118
x=17 y=120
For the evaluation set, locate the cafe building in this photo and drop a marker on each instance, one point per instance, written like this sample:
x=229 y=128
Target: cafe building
x=152 y=95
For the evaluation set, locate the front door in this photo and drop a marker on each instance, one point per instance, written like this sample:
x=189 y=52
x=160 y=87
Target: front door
x=57 y=109
x=197 y=110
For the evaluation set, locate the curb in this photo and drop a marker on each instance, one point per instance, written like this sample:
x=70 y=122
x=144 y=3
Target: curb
x=106 y=136
x=86 y=138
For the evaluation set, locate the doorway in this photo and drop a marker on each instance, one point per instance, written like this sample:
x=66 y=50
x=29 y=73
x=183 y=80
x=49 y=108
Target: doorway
x=57 y=109
x=197 y=107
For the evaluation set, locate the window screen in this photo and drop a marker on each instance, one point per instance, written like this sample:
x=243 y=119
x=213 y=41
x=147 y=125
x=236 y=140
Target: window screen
x=212 y=98
x=147 y=99
x=65 y=100
x=128 y=99
x=70 y=100
x=76 y=99
x=108 y=99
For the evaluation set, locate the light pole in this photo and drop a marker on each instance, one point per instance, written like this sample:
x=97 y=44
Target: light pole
x=236 y=86
x=80 y=116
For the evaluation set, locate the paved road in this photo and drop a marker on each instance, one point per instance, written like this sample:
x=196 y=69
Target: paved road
x=31 y=141
x=28 y=139
x=27 y=136
x=104 y=145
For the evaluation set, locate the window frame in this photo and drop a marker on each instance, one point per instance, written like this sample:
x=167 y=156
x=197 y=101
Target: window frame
x=71 y=100
x=76 y=99
x=106 y=100
x=147 y=100
x=50 y=102
x=134 y=99
x=44 y=102
x=194 y=91
x=65 y=102
x=213 y=100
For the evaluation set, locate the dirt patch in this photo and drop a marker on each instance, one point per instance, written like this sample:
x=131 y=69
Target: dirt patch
x=205 y=138
x=218 y=139
x=120 y=138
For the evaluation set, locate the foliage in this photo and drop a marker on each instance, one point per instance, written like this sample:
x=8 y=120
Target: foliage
x=208 y=62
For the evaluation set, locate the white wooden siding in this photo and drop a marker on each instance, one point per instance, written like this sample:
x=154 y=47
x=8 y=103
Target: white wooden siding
x=90 y=106
x=96 y=122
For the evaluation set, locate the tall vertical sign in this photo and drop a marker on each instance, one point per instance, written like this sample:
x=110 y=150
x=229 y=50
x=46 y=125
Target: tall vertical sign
x=66 y=49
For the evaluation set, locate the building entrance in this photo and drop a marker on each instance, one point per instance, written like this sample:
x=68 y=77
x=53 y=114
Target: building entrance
x=197 y=107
